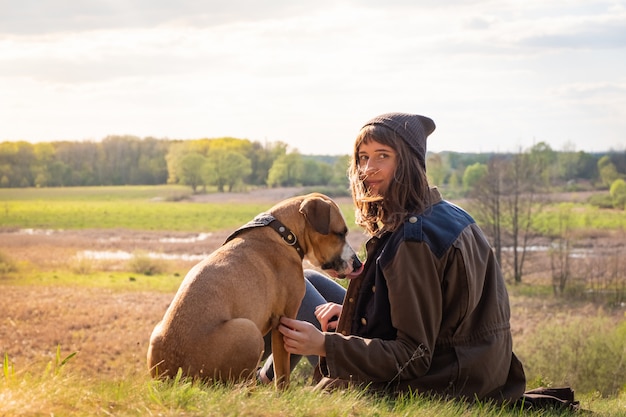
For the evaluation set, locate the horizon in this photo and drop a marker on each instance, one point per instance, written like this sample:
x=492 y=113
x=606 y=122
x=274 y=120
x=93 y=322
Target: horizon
x=291 y=149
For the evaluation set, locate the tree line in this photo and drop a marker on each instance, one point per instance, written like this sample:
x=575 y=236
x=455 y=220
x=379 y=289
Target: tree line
x=231 y=164
x=226 y=163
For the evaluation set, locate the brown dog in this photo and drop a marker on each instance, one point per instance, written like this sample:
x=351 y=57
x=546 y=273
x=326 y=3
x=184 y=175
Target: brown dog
x=214 y=327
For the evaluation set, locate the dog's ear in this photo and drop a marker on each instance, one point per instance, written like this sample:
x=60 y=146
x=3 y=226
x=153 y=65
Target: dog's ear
x=316 y=211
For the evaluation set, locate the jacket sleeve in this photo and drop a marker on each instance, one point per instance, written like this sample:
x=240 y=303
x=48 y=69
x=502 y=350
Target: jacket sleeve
x=416 y=304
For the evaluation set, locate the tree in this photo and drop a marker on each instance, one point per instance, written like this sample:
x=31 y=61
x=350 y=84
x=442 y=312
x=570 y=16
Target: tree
x=608 y=172
x=437 y=169
x=340 y=172
x=505 y=202
x=567 y=162
x=560 y=251
x=474 y=174
x=543 y=159
x=315 y=172
x=17 y=164
x=150 y=167
x=262 y=157
x=520 y=185
x=191 y=170
x=44 y=152
x=587 y=166
x=80 y=163
x=177 y=150
x=618 y=194
x=487 y=197
x=117 y=154
x=60 y=174
x=286 y=171
x=230 y=168
x=240 y=146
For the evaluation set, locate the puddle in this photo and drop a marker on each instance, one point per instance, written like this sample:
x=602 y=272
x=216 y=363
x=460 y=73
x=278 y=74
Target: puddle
x=36 y=232
x=581 y=253
x=192 y=239
x=187 y=239
x=120 y=255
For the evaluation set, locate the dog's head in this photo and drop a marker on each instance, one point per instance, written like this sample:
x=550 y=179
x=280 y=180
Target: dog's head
x=325 y=235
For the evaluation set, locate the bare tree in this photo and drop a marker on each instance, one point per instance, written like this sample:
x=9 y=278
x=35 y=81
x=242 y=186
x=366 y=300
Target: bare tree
x=560 y=252
x=486 y=195
x=518 y=202
x=506 y=200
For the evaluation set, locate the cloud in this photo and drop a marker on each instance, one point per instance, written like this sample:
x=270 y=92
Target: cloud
x=28 y=17
x=589 y=91
x=104 y=55
x=310 y=73
x=601 y=31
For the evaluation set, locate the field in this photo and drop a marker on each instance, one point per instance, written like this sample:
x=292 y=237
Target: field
x=85 y=274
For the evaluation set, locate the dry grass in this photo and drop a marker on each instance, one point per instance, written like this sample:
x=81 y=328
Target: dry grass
x=109 y=330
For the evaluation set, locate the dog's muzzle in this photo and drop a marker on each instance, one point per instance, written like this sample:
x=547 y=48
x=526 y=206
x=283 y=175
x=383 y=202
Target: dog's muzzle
x=344 y=269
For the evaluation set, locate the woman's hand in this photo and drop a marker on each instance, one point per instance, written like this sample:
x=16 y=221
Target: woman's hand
x=328 y=315
x=301 y=337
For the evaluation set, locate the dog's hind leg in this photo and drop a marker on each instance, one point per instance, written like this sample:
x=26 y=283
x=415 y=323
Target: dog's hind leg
x=233 y=348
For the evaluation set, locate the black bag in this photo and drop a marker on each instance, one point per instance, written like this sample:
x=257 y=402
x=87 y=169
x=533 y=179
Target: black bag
x=549 y=398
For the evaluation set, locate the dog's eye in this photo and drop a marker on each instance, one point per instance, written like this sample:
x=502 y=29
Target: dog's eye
x=341 y=235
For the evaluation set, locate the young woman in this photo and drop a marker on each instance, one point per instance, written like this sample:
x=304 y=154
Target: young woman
x=430 y=312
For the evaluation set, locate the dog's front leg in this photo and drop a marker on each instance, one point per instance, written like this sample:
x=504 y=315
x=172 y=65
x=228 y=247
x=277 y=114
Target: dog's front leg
x=281 y=360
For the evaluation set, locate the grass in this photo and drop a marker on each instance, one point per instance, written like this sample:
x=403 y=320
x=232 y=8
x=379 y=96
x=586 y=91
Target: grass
x=57 y=390
x=577 y=217
x=132 y=207
x=119 y=281
x=589 y=353
x=103 y=193
x=166 y=208
x=134 y=215
x=102 y=368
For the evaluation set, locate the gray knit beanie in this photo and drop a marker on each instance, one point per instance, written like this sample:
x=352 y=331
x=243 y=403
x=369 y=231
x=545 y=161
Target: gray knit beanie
x=412 y=128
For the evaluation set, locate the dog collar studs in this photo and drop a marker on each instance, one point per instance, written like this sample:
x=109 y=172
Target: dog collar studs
x=287 y=235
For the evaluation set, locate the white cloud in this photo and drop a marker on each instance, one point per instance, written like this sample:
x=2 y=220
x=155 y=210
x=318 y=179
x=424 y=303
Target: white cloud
x=493 y=74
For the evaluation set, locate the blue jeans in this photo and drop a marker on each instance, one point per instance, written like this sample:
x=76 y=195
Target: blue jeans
x=320 y=289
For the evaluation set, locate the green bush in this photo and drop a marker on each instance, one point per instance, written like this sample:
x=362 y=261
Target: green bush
x=82 y=265
x=618 y=194
x=601 y=200
x=588 y=354
x=143 y=263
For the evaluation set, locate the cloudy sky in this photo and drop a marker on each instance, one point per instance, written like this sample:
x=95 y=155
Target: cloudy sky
x=495 y=75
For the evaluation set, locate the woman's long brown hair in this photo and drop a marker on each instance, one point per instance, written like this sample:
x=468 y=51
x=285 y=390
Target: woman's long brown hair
x=408 y=193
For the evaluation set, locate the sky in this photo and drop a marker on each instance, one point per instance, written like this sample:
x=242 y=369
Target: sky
x=494 y=75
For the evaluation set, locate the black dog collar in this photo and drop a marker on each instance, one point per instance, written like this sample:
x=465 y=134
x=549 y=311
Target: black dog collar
x=266 y=219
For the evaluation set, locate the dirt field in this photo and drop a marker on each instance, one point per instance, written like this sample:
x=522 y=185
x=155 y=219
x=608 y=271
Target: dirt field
x=110 y=329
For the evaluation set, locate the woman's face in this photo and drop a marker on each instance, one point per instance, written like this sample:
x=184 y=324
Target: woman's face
x=377 y=164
